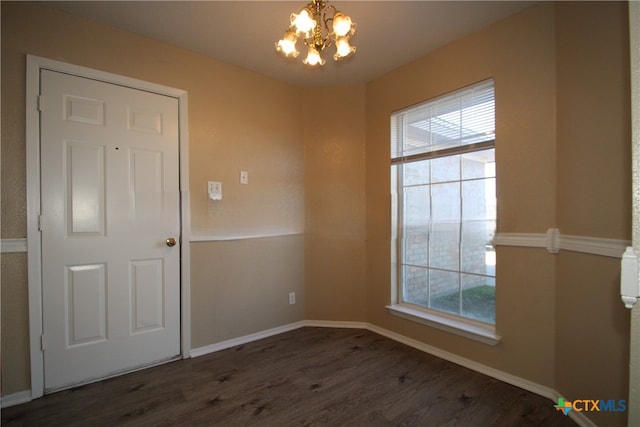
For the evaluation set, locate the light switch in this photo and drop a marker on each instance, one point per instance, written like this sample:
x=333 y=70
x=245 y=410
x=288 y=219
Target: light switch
x=215 y=190
x=244 y=177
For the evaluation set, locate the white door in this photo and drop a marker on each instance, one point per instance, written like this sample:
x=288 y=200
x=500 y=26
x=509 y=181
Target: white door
x=109 y=202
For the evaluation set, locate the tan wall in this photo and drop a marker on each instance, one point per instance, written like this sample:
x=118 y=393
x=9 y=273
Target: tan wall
x=15 y=318
x=594 y=130
x=592 y=332
x=235 y=297
x=563 y=152
x=519 y=54
x=335 y=214
x=594 y=188
x=238 y=120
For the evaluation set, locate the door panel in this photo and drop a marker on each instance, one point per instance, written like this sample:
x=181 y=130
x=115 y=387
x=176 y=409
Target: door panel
x=147 y=295
x=87 y=306
x=110 y=199
x=84 y=110
x=146 y=187
x=85 y=187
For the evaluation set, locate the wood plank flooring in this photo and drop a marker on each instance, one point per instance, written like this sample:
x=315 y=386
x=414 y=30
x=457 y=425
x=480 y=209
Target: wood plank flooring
x=307 y=377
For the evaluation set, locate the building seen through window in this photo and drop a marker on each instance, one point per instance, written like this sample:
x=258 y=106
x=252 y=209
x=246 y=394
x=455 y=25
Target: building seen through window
x=444 y=204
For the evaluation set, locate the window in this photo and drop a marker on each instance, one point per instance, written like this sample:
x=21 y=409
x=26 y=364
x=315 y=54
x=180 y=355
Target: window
x=443 y=180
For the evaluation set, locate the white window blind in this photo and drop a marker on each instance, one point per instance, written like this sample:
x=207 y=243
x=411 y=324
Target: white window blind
x=462 y=118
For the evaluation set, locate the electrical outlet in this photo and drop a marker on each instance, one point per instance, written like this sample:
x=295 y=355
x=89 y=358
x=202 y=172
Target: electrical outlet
x=292 y=297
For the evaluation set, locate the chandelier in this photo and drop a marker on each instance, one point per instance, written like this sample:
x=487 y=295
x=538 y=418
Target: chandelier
x=319 y=26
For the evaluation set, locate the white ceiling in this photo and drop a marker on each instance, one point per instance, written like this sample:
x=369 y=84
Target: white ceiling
x=389 y=33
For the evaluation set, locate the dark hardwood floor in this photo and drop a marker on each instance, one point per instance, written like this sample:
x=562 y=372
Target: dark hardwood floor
x=307 y=377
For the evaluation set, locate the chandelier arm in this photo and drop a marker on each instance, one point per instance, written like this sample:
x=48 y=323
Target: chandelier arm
x=326 y=20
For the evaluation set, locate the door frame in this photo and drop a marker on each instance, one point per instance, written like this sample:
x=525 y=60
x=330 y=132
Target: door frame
x=34 y=249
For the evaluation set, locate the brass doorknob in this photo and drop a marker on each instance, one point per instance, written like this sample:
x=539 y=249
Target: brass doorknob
x=171 y=241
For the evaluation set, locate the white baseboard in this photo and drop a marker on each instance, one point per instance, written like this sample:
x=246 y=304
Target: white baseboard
x=467 y=363
x=579 y=417
x=335 y=324
x=16 y=398
x=212 y=348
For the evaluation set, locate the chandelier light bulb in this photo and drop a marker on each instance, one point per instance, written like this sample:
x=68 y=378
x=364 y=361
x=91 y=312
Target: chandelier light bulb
x=342 y=25
x=313 y=57
x=287 y=46
x=303 y=22
x=343 y=49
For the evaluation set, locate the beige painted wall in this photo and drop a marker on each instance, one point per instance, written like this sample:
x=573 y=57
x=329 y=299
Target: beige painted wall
x=15 y=342
x=243 y=287
x=592 y=332
x=594 y=188
x=519 y=54
x=594 y=130
x=238 y=120
x=563 y=153
x=335 y=214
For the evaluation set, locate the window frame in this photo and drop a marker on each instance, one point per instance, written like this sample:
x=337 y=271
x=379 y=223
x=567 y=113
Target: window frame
x=458 y=324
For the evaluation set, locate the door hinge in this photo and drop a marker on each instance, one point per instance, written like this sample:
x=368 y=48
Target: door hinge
x=40 y=102
x=43 y=342
x=40 y=222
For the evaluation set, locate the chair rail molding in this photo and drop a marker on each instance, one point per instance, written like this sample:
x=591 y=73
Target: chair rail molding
x=13 y=245
x=553 y=241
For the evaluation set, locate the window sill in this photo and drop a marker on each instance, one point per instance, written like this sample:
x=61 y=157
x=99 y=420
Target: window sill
x=467 y=328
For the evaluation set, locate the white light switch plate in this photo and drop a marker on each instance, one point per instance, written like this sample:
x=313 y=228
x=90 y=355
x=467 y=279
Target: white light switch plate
x=215 y=190
x=244 y=177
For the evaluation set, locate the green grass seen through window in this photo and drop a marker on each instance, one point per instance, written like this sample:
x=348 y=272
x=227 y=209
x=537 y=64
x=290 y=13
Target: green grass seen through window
x=477 y=303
